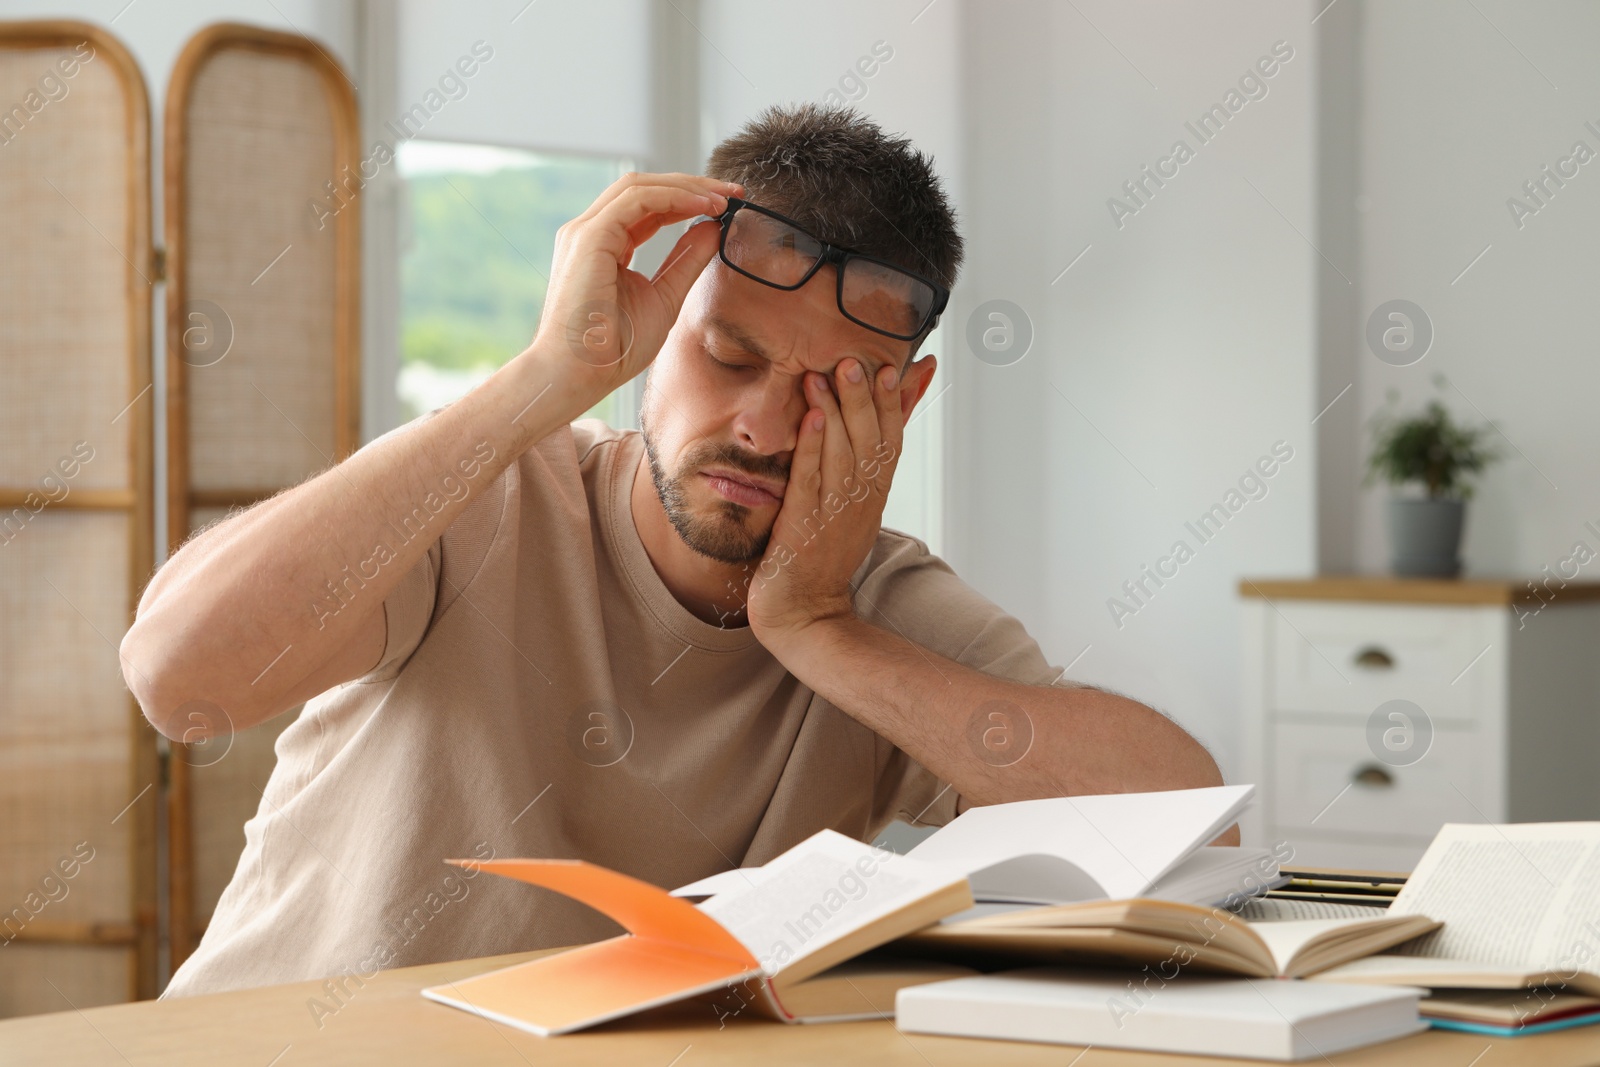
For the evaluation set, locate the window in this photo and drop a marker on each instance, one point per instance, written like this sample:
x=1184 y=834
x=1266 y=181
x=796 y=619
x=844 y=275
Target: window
x=916 y=500
x=478 y=233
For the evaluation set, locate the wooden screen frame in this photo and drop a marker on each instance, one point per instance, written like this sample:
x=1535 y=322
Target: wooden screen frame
x=181 y=498
x=137 y=502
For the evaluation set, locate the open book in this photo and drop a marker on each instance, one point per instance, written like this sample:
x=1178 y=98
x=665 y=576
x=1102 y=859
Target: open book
x=825 y=901
x=1066 y=849
x=1112 y=846
x=1520 y=905
x=1165 y=934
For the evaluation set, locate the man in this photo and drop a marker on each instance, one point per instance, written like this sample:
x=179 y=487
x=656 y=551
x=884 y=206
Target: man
x=669 y=652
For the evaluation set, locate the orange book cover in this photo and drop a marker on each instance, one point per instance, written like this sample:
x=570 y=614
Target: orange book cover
x=672 y=951
x=820 y=904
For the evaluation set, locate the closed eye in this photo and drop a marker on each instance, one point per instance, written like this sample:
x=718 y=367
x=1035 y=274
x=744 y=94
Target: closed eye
x=729 y=366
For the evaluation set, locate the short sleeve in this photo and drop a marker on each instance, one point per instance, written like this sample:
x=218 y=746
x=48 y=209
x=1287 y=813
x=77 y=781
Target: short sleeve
x=909 y=591
x=409 y=607
x=407 y=611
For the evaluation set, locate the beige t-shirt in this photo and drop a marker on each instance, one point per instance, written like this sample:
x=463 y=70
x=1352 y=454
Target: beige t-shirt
x=542 y=694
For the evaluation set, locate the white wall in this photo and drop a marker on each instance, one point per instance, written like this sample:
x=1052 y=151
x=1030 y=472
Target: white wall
x=1165 y=362
x=543 y=87
x=1459 y=110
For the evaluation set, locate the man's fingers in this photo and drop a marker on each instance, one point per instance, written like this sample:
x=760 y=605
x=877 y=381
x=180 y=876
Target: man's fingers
x=861 y=415
x=636 y=178
x=693 y=183
x=684 y=263
x=635 y=216
x=838 y=460
x=886 y=395
x=804 y=490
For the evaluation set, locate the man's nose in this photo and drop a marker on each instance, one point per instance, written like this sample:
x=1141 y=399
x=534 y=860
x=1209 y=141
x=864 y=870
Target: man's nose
x=769 y=421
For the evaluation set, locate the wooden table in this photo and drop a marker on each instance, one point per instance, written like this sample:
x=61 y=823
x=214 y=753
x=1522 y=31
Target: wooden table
x=387 y=1022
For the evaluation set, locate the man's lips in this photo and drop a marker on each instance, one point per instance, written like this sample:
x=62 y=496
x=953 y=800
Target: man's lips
x=743 y=489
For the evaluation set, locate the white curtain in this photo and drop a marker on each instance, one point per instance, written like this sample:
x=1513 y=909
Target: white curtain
x=552 y=75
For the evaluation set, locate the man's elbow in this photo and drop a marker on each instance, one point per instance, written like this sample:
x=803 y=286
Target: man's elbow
x=1197 y=768
x=146 y=680
x=166 y=692
x=1173 y=758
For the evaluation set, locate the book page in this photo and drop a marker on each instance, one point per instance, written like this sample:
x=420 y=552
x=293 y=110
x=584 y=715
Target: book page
x=1388 y=968
x=1124 y=842
x=1517 y=895
x=1274 y=909
x=721 y=882
x=1219 y=874
x=1286 y=937
x=823 y=889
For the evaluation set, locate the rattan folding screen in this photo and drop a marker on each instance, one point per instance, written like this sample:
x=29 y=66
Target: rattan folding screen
x=262 y=195
x=78 y=794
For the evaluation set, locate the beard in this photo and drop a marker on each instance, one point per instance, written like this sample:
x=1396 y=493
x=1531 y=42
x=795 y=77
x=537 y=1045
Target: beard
x=724 y=534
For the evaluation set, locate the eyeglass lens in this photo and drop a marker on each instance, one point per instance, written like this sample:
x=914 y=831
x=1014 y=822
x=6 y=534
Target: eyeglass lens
x=874 y=294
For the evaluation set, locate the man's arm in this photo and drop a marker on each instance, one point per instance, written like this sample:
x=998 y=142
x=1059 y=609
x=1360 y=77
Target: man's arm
x=992 y=739
x=244 y=621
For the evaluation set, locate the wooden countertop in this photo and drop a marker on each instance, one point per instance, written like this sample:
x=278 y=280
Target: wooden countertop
x=387 y=1021
x=1386 y=590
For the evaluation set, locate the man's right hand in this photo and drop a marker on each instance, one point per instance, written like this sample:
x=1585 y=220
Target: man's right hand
x=602 y=322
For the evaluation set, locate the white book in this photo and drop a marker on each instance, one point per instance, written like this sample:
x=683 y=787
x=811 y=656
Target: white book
x=1195 y=1014
x=1064 y=850
x=1115 y=846
x=823 y=892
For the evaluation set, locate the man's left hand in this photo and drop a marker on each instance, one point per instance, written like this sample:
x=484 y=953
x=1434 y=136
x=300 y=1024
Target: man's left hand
x=839 y=477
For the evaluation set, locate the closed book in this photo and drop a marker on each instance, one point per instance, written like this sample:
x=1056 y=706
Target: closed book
x=1267 y=1019
x=1509 y=1012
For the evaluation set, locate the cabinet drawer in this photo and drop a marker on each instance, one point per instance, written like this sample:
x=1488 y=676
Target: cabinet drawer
x=1315 y=785
x=1349 y=658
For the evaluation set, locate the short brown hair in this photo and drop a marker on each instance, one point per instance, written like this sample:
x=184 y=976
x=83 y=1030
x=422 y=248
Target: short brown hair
x=837 y=173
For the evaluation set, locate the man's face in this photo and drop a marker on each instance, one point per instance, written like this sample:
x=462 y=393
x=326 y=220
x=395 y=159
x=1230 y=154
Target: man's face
x=725 y=396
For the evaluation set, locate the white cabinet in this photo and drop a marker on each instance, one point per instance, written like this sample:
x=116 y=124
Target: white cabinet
x=1376 y=710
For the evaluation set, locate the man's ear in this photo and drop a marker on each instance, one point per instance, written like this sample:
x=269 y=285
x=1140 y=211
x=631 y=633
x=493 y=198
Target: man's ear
x=914 y=381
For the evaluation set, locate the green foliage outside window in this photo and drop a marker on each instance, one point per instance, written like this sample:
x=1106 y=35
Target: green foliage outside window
x=479 y=244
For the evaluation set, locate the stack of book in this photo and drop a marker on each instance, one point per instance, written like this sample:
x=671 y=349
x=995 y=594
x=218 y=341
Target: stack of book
x=1032 y=920
x=1508 y=1012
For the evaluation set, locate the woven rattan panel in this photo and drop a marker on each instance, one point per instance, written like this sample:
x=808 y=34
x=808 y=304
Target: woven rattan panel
x=65 y=772
x=77 y=774
x=263 y=358
x=63 y=176
x=259 y=148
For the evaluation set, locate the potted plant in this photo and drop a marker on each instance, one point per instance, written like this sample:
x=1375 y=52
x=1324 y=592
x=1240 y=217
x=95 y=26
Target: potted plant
x=1434 y=455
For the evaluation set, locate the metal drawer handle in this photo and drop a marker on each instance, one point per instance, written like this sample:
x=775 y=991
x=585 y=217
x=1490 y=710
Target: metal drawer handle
x=1374 y=659
x=1372 y=775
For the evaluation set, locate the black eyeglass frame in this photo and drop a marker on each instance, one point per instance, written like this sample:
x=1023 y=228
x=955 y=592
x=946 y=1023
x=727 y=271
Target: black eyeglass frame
x=838 y=256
